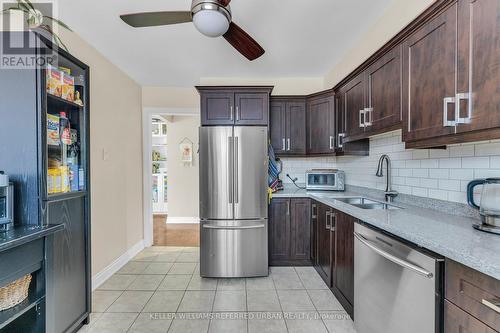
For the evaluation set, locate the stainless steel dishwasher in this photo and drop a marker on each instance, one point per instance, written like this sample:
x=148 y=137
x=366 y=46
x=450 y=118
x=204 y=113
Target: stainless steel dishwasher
x=396 y=288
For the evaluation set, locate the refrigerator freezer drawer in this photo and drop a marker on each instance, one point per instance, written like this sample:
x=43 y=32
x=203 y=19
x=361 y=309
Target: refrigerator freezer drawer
x=232 y=249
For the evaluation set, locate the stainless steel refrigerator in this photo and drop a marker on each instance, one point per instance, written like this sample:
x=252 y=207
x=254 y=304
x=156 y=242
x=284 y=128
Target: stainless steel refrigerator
x=233 y=201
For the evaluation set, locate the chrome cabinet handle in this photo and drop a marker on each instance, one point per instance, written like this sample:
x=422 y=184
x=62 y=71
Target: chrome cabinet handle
x=258 y=226
x=331 y=143
x=288 y=143
x=333 y=223
x=284 y=145
x=341 y=140
x=236 y=171
x=362 y=114
x=314 y=211
x=328 y=221
x=493 y=304
x=393 y=258
x=368 y=115
x=230 y=161
x=458 y=98
x=237 y=113
x=231 y=113
x=288 y=207
x=446 y=122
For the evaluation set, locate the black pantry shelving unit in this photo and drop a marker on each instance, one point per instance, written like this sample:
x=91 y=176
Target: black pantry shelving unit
x=59 y=296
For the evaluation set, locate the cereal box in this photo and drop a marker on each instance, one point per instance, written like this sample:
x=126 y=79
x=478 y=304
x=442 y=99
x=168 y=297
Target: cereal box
x=54 y=81
x=53 y=130
x=68 y=88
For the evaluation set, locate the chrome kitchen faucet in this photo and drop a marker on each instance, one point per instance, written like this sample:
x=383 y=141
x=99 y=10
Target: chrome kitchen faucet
x=389 y=193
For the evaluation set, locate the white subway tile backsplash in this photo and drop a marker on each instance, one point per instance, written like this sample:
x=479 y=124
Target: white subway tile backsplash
x=434 y=173
x=450 y=163
x=449 y=184
x=476 y=162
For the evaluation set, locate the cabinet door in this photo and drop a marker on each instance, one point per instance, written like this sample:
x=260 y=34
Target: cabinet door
x=340 y=118
x=479 y=64
x=354 y=105
x=344 y=255
x=279 y=229
x=458 y=321
x=217 y=108
x=324 y=243
x=314 y=232
x=66 y=260
x=277 y=126
x=296 y=128
x=429 y=70
x=320 y=125
x=383 y=82
x=251 y=108
x=300 y=212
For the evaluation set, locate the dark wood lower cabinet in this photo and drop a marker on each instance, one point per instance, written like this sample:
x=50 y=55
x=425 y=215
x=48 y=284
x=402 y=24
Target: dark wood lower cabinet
x=289 y=232
x=343 y=259
x=324 y=239
x=457 y=320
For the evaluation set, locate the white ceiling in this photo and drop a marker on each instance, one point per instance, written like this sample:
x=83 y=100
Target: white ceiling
x=302 y=38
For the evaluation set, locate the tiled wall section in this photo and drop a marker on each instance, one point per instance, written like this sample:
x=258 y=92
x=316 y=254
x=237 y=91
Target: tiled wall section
x=434 y=173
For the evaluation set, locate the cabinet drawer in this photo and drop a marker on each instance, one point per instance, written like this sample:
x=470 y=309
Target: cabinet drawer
x=473 y=292
x=459 y=321
x=20 y=260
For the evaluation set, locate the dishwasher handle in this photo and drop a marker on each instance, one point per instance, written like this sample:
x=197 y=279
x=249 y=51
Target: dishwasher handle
x=393 y=258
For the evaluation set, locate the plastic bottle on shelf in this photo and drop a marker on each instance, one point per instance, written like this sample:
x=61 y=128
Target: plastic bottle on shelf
x=65 y=128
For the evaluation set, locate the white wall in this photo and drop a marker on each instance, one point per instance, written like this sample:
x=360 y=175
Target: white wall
x=395 y=18
x=116 y=156
x=434 y=173
x=183 y=185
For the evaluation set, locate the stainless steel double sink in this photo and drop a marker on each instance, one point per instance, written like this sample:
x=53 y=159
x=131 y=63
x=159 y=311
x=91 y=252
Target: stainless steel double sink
x=365 y=203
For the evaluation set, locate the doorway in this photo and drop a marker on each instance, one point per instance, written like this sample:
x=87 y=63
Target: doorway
x=171 y=177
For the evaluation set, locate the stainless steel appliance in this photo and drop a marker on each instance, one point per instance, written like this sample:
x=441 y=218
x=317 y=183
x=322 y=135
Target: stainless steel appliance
x=489 y=208
x=325 y=180
x=396 y=288
x=6 y=203
x=233 y=201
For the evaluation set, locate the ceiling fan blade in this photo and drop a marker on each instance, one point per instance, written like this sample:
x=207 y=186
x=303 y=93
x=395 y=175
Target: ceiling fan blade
x=224 y=3
x=242 y=42
x=156 y=18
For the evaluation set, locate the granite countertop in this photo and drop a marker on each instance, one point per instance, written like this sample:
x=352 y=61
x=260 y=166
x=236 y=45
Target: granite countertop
x=23 y=234
x=448 y=235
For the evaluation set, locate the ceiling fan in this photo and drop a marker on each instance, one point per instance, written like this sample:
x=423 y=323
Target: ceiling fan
x=210 y=17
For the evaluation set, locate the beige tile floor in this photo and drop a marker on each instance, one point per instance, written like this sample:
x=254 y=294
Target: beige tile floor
x=160 y=290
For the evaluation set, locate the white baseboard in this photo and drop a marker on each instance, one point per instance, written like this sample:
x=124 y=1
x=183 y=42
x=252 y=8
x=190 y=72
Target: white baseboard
x=112 y=268
x=183 y=220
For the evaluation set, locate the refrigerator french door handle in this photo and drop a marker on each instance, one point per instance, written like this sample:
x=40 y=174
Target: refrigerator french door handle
x=236 y=170
x=230 y=168
x=258 y=226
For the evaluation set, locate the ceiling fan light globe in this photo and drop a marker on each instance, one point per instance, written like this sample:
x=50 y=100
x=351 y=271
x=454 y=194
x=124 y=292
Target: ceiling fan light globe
x=211 y=23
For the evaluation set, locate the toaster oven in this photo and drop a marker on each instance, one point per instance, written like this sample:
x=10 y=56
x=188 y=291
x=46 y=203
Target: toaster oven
x=325 y=180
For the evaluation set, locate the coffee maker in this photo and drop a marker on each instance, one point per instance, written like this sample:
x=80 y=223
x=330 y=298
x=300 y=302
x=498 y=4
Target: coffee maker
x=6 y=203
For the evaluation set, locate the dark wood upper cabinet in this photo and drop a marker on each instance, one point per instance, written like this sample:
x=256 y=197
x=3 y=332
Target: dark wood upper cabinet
x=383 y=84
x=321 y=123
x=277 y=127
x=252 y=108
x=288 y=125
x=353 y=97
x=429 y=69
x=289 y=231
x=217 y=108
x=234 y=105
x=478 y=65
